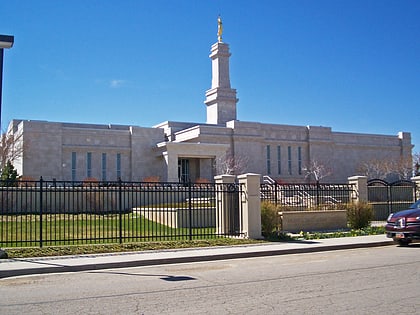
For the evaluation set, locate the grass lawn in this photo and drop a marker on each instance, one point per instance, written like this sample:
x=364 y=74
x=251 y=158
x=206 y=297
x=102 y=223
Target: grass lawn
x=78 y=229
x=26 y=252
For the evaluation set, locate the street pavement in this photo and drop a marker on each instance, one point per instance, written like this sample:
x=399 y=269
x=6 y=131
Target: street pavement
x=42 y=265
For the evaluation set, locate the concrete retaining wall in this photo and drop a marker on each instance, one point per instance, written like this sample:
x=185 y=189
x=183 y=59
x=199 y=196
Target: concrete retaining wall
x=180 y=218
x=296 y=221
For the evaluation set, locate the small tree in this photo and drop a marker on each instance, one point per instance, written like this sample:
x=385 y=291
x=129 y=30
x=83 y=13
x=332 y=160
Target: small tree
x=388 y=169
x=374 y=169
x=11 y=147
x=403 y=168
x=9 y=176
x=231 y=164
x=317 y=170
x=416 y=164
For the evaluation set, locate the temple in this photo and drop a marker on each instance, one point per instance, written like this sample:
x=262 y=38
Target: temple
x=186 y=151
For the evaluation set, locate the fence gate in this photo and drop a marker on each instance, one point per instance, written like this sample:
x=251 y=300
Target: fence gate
x=389 y=198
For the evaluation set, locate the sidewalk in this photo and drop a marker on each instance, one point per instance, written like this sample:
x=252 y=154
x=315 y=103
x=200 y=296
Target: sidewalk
x=28 y=266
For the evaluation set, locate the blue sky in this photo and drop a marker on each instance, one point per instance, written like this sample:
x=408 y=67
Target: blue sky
x=350 y=65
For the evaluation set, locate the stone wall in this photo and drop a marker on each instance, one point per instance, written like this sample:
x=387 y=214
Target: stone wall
x=180 y=217
x=48 y=148
x=296 y=221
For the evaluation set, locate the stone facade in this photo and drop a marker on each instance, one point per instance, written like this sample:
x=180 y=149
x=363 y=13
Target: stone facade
x=60 y=151
x=184 y=151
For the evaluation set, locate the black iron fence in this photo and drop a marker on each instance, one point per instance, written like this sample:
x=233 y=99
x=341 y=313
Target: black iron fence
x=45 y=213
x=307 y=196
x=388 y=197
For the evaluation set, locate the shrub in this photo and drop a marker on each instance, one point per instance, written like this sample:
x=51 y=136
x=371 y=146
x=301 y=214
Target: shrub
x=270 y=218
x=9 y=175
x=359 y=214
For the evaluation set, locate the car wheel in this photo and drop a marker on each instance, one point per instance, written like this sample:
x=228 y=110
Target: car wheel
x=404 y=242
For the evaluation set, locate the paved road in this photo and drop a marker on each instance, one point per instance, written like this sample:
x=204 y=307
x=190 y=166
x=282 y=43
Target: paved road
x=376 y=280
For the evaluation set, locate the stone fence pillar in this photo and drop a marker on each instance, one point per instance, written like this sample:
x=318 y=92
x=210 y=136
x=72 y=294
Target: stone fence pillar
x=416 y=179
x=251 y=205
x=360 y=185
x=224 y=201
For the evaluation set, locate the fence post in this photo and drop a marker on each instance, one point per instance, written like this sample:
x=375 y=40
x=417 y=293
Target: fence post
x=222 y=203
x=41 y=206
x=251 y=205
x=318 y=188
x=361 y=191
x=276 y=191
x=190 y=209
x=120 y=208
x=416 y=180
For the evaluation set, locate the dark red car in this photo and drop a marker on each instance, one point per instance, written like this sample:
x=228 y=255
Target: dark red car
x=404 y=226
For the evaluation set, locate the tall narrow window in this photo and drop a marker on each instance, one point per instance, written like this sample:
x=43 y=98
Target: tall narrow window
x=300 y=160
x=73 y=166
x=118 y=165
x=89 y=164
x=289 y=160
x=103 y=167
x=278 y=160
x=268 y=160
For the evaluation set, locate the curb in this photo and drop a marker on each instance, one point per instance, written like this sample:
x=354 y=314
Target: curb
x=184 y=259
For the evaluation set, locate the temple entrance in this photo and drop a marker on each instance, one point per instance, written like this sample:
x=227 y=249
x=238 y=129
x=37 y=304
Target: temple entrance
x=184 y=171
x=195 y=169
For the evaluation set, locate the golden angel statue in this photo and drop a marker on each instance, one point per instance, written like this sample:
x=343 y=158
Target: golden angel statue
x=219 y=29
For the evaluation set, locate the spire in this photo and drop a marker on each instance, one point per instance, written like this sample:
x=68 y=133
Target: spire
x=221 y=98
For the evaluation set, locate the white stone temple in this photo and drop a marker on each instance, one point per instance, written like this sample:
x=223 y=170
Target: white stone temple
x=185 y=151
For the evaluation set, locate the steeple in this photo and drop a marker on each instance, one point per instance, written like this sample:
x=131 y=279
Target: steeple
x=221 y=98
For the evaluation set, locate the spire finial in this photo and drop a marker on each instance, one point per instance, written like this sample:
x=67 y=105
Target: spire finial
x=219 y=29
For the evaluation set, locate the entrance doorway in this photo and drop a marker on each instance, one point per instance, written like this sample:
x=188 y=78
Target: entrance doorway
x=184 y=171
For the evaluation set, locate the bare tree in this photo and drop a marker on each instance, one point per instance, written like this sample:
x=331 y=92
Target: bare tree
x=374 y=169
x=403 y=168
x=387 y=169
x=11 y=147
x=231 y=164
x=317 y=170
x=416 y=164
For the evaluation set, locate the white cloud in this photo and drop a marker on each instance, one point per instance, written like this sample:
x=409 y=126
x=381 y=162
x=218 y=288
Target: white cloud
x=116 y=83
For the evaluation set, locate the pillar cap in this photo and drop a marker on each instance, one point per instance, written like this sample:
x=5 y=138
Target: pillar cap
x=249 y=175
x=356 y=177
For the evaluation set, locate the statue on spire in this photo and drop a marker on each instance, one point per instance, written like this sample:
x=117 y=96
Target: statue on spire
x=219 y=29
